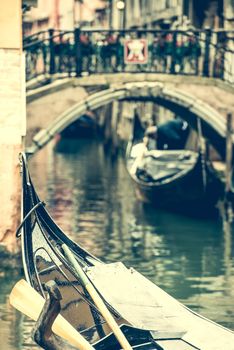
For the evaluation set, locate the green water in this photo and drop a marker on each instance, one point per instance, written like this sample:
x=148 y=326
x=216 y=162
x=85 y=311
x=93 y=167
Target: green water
x=93 y=200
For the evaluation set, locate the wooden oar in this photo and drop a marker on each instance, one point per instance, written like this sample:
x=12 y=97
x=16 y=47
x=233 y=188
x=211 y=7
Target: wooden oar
x=25 y=299
x=97 y=299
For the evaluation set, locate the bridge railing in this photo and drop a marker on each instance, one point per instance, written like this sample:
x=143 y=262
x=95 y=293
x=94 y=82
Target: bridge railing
x=194 y=52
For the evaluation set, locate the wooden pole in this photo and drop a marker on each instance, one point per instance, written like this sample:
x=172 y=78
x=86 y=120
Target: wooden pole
x=228 y=175
x=114 y=126
x=97 y=299
x=228 y=153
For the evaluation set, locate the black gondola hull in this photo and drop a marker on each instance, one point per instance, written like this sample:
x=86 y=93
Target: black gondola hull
x=154 y=320
x=195 y=190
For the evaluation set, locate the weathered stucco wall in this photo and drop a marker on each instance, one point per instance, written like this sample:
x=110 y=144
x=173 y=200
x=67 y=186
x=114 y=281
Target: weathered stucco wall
x=12 y=119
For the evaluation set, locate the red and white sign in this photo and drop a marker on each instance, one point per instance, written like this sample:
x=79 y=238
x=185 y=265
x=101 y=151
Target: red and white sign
x=136 y=51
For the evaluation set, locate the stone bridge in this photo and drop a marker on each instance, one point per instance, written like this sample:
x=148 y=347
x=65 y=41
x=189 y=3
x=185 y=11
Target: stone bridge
x=51 y=108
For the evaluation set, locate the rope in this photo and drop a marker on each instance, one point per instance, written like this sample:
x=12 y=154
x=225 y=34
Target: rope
x=18 y=231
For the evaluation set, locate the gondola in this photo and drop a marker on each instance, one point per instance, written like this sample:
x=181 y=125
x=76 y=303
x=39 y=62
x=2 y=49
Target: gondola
x=178 y=179
x=148 y=316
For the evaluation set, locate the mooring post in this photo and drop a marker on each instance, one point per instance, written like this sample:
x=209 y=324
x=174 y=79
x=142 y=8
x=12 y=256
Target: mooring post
x=229 y=156
x=228 y=152
x=114 y=127
x=107 y=126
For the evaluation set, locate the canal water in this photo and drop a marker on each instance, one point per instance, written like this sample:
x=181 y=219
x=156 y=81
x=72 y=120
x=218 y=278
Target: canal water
x=92 y=198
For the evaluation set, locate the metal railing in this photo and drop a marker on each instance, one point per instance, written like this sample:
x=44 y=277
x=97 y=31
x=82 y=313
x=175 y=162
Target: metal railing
x=75 y=53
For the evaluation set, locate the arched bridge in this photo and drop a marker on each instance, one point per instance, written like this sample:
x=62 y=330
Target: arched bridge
x=184 y=104
x=188 y=72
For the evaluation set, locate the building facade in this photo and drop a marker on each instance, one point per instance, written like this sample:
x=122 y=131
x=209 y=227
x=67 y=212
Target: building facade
x=166 y=14
x=65 y=15
x=152 y=14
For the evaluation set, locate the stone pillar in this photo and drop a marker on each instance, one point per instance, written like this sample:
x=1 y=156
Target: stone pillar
x=12 y=118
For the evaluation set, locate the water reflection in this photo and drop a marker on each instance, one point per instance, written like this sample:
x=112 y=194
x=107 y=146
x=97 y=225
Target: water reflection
x=93 y=200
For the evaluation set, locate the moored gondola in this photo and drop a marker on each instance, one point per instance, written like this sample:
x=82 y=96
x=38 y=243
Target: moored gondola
x=173 y=178
x=176 y=179
x=149 y=317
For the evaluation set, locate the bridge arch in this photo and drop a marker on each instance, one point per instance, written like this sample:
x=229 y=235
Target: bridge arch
x=184 y=104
